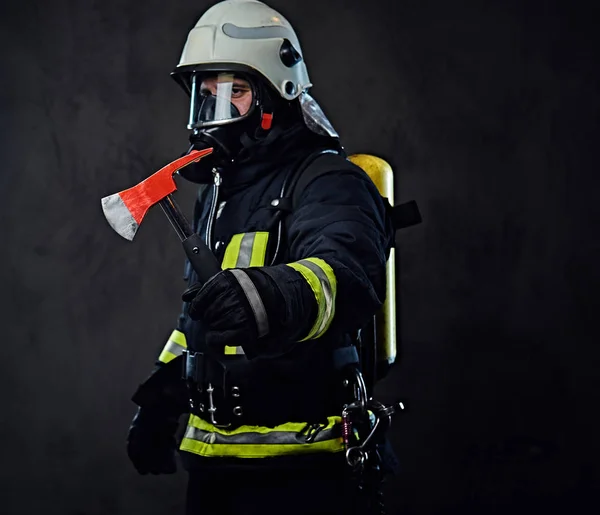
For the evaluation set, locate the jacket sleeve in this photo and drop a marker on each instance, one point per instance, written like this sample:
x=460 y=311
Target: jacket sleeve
x=340 y=232
x=163 y=389
x=339 y=238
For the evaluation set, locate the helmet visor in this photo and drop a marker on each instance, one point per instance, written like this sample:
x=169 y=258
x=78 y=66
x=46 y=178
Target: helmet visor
x=219 y=99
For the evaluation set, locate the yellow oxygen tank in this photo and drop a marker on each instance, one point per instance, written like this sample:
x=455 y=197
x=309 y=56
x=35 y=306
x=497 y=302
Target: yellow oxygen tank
x=382 y=175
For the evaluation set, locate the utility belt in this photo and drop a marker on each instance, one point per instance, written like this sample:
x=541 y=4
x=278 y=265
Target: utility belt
x=232 y=392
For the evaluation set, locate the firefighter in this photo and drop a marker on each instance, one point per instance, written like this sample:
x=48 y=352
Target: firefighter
x=256 y=360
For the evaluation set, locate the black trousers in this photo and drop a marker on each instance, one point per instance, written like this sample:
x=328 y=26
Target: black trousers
x=288 y=491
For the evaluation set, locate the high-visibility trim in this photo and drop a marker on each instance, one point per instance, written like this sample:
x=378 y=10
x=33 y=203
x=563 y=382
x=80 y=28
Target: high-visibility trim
x=233 y=350
x=232 y=252
x=174 y=347
x=322 y=281
x=245 y=254
x=246 y=250
x=205 y=439
x=256 y=303
x=259 y=248
x=243 y=251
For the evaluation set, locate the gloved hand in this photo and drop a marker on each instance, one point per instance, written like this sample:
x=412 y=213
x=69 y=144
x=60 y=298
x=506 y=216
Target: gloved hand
x=151 y=442
x=223 y=308
x=243 y=306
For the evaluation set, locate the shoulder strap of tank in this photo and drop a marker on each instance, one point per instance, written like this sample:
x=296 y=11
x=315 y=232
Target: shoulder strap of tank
x=295 y=181
x=405 y=215
x=305 y=174
x=298 y=177
x=402 y=215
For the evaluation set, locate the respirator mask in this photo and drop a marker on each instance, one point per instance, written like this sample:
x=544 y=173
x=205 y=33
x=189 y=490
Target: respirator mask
x=227 y=109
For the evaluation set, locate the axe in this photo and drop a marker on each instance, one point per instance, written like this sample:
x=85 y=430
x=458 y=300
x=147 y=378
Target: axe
x=126 y=210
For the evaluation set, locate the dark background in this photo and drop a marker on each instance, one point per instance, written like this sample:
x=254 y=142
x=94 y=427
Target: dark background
x=489 y=114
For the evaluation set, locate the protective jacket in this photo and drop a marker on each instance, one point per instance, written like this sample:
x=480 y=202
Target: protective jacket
x=329 y=263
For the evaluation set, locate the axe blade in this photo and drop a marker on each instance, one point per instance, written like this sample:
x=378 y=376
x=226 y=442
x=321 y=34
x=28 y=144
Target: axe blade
x=125 y=210
x=119 y=217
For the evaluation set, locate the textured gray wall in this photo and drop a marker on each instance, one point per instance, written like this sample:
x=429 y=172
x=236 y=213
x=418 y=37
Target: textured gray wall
x=488 y=111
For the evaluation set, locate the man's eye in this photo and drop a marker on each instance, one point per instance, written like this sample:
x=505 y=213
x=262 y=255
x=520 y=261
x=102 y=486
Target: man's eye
x=239 y=91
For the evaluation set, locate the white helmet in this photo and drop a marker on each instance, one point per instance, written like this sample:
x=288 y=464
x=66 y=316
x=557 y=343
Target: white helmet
x=247 y=35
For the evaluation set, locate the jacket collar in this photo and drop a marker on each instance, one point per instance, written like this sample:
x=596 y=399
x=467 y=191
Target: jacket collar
x=273 y=154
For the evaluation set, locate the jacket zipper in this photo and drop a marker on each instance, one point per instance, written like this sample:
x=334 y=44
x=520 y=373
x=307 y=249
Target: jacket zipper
x=213 y=208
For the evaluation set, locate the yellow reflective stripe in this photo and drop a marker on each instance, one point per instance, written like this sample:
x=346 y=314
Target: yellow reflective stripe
x=205 y=439
x=321 y=279
x=246 y=250
x=259 y=249
x=179 y=338
x=315 y=286
x=288 y=427
x=166 y=356
x=233 y=350
x=329 y=287
x=174 y=347
x=258 y=450
x=243 y=251
x=232 y=252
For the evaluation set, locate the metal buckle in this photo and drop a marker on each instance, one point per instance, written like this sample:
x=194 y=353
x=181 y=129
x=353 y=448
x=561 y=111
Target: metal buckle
x=358 y=455
x=360 y=392
x=313 y=431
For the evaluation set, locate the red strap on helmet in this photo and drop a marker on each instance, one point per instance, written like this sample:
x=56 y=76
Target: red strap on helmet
x=267 y=120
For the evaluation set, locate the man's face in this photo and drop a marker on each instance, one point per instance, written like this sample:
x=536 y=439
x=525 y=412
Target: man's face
x=236 y=90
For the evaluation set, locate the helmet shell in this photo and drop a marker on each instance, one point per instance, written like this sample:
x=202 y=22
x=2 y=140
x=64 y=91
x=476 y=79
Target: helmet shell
x=246 y=34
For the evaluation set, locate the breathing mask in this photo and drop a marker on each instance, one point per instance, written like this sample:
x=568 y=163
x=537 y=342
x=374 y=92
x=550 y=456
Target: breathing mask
x=228 y=110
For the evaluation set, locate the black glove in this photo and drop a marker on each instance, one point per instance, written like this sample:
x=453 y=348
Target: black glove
x=229 y=318
x=151 y=442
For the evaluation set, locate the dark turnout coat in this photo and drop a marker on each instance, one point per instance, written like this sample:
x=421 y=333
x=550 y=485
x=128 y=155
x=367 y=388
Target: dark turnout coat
x=329 y=269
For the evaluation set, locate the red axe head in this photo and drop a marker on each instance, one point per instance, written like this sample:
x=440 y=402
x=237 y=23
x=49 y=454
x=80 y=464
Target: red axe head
x=126 y=210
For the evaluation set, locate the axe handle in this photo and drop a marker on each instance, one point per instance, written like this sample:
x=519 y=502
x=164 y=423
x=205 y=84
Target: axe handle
x=178 y=220
x=201 y=258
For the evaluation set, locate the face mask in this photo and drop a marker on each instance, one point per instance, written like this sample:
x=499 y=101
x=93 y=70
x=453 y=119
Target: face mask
x=226 y=140
x=217 y=123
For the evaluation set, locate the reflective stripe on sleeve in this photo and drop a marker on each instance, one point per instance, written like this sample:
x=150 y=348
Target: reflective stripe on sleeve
x=321 y=279
x=174 y=347
x=256 y=303
x=229 y=350
x=243 y=251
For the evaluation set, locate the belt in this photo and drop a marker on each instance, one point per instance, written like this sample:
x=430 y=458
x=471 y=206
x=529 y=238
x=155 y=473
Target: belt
x=238 y=392
x=210 y=393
